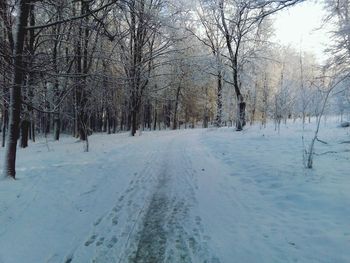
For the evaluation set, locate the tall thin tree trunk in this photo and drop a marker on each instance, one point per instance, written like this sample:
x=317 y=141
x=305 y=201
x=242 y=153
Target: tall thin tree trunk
x=82 y=115
x=134 y=122
x=218 y=119
x=155 y=117
x=56 y=116
x=176 y=107
x=31 y=115
x=15 y=90
x=4 y=124
x=135 y=114
x=25 y=125
x=109 y=124
x=32 y=126
x=4 y=111
x=240 y=120
x=56 y=126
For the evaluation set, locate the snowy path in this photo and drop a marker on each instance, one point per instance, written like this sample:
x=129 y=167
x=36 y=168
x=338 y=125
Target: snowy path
x=178 y=196
x=155 y=219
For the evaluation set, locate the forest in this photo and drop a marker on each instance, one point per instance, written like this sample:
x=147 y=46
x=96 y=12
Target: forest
x=78 y=67
x=172 y=131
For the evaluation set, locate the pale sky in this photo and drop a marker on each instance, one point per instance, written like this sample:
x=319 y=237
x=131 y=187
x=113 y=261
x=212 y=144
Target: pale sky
x=297 y=27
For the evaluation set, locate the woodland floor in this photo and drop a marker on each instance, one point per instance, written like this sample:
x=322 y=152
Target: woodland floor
x=198 y=195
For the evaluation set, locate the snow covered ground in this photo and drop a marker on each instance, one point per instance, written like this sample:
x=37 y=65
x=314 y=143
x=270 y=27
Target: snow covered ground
x=180 y=196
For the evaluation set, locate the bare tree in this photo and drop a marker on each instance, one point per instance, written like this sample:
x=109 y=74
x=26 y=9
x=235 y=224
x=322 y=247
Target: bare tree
x=329 y=85
x=213 y=39
x=240 y=20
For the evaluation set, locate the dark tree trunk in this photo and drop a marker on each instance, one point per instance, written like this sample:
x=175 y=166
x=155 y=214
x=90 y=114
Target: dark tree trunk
x=240 y=123
x=155 y=117
x=240 y=120
x=81 y=117
x=176 y=106
x=122 y=120
x=31 y=77
x=4 y=124
x=135 y=114
x=114 y=124
x=128 y=120
x=134 y=122
x=148 y=115
x=108 y=123
x=25 y=125
x=56 y=117
x=7 y=33
x=82 y=128
x=28 y=81
x=32 y=127
x=253 y=107
x=75 y=110
x=104 y=121
x=218 y=119
x=15 y=90
x=167 y=114
x=205 y=118
x=83 y=109
x=47 y=121
x=57 y=126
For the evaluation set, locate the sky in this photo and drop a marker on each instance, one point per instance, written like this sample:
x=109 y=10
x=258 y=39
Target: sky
x=299 y=27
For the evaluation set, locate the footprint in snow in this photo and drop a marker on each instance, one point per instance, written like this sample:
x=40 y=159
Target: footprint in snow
x=100 y=241
x=115 y=220
x=98 y=221
x=112 y=242
x=91 y=240
x=116 y=209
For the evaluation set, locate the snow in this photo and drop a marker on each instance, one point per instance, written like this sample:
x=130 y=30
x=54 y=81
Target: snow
x=201 y=195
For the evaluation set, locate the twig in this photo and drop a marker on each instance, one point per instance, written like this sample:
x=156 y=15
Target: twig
x=321 y=141
x=318 y=154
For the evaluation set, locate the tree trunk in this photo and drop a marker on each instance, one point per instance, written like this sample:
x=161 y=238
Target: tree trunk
x=31 y=76
x=134 y=122
x=218 y=119
x=25 y=125
x=167 y=110
x=114 y=124
x=47 y=121
x=57 y=126
x=32 y=127
x=134 y=113
x=82 y=68
x=253 y=107
x=15 y=90
x=176 y=106
x=4 y=124
x=108 y=123
x=56 y=117
x=240 y=120
x=104 y=121
x=155 y=117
